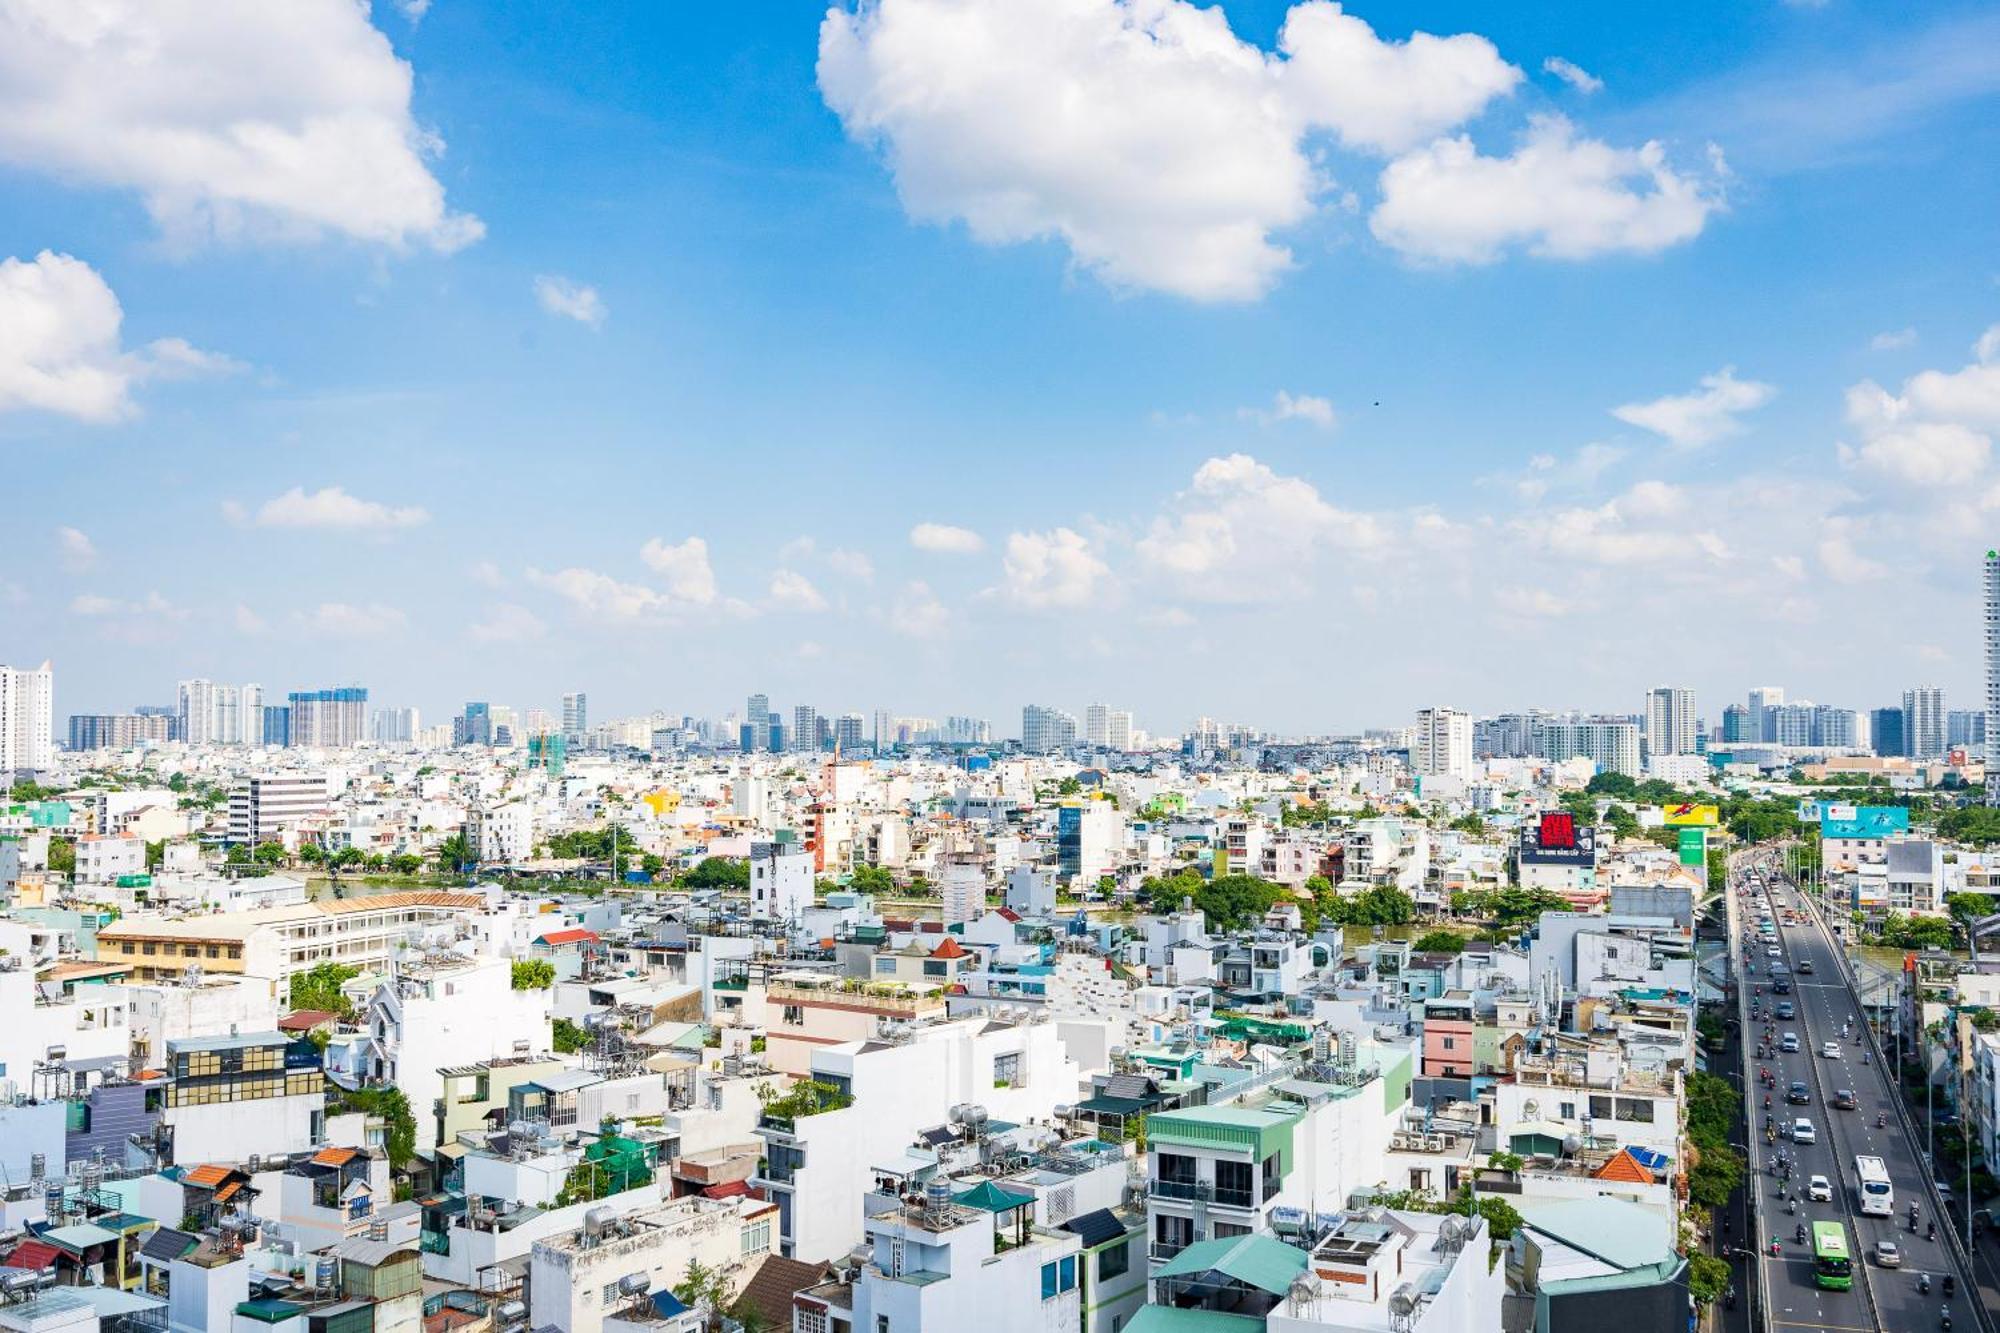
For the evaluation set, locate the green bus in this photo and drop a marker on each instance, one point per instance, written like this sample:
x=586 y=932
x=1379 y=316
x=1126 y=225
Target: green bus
x=1832 y=1266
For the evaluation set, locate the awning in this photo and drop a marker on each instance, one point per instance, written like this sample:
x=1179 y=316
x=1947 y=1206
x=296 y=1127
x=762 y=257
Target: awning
x=989 y=1197
x=1262 y=1262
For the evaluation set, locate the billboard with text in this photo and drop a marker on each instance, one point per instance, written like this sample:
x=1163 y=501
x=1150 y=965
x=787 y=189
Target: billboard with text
x=1863 y=821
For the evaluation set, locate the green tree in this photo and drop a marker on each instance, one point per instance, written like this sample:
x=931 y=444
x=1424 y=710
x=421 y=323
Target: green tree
x=312 y=854
x=1621 y=821
x=156 y=854
x=1716 y=1176
x=455 y=854
x=1708 y=1277
x=62 y=855
x=406 y=863
x=1469 y=824
x=870 y=879
x=1439 y=941
x=319 y=988
x=1619 y=785
x=569 y=1038
x=399 y=1124
x=534 y=974
x=720 y=872
x=270 y=854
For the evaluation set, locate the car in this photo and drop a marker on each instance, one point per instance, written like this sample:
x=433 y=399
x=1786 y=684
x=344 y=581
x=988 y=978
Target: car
x=1887 y=1255
x=1803 y=1132
x=1830 y=1049
x=1773 y=951
x=1798 y=1094
x=1806 y=966
x=1789 y=1042
x=1845 y=1099
x=1785 y=1010
x=1819 y=1189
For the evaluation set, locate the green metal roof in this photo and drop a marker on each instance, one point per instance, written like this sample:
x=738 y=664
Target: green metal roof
x=1258 y=1130
x=1262 y=1262
x=1167 y=1319
x=1622 y=1233
x=989 y=1197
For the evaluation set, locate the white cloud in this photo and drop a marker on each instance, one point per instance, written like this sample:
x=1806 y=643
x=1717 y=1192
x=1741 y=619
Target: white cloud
x=1288 y=407
x=414 y=10
x=507 y=622
x=1573 y=74
x=795 y=592
x=1709 y=413
x=918 y=614
x=486 y=574
x=685 y=568
x=230 y=118
x=248 y=622
x=598 y=595
x=331 y=507
x=1636 y=528
x=77 y=551
x=943 y=539
x=96 y=606
x=571 y=300
x=60 y=349
x=345 y=620
x=1044 y=570
x=1557 y=196
x=1532 y=603
x=1160 y=149
x=1935 y=433
x=1893 y=340
x=1840 y=560
x=839 y=560
x=1244 y=533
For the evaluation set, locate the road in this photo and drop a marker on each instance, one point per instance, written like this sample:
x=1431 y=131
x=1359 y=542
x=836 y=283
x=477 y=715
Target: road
x=1882 y=1297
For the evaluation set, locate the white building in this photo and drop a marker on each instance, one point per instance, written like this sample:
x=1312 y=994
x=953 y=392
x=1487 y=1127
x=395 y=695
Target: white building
x=1442 y=744
x=102 y=858
x=1611 y=743
x=265 y=806
x=27 y=723
x=503 y=834
x=781 y=880
x=1924 y=722
x=578 y=1280
x=1670 y=721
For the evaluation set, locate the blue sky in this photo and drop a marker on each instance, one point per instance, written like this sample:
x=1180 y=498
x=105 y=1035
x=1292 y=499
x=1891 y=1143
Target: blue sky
x=1266 y=377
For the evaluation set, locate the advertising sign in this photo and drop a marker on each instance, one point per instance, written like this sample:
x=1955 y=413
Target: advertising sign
x=1688 y=815
x=1694 y=846
x=1864 y=821
x=1811 y=812
x=1558 y=830
x=1579 y=850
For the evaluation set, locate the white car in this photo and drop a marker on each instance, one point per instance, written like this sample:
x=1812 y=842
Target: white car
x=1773 y=951
x=1803 y=1132
x=1789 y=1042
x=1830 y=1049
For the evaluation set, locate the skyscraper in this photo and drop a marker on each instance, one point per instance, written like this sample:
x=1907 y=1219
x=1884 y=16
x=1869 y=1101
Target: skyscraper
x=1762 y=700
x=1887 y=732
x=1097 y=726
x=757 y=723
x=1442 y=745
x=197 y=710
x=1118 y=730
x=1670 y=724
x=805 y=727
x=885 y=730
x=27 y=719
x=1923 y=721
x=575 y=716
x=847 y=733
x=1992 y=668
x=333 y=719
x=1046 y=730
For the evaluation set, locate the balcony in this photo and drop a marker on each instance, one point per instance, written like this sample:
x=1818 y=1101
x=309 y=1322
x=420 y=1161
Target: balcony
x=1202 y=1191
x=1162 y=1250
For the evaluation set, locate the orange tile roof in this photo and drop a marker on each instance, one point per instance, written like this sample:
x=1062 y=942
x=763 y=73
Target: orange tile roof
x=209 y=1176
x=948 y=949
x=228 y=1192
x=1624 y=1167
x=333 y=1156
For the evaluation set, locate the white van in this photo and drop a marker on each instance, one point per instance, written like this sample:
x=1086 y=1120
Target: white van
x=1803 y=1132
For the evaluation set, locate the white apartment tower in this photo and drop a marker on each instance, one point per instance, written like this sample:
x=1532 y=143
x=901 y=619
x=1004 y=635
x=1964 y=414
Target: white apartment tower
x=1924 y=722
x=1118 y=730
x=1762 y=700
x=1442 y=746
x=1992 y=663
x=1670 y=723
x=1046 y=730
x=575 y=716
x=27 y=721
x=1097 y=726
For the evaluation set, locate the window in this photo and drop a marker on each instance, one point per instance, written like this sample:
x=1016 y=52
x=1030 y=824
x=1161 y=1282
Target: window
x=812 y=1321
x=1234 y=1184
x=1566 y=1110
x=1114 y=1260
x=1007 y=1070
x=1600 y=1108
x=610 y=1293
x=1058 y=1277
x=794 y=1015
x=1225 y=1229
x=881 y=1323
x=1636 y=1109
x=757 y=1238
x=1451 y=1043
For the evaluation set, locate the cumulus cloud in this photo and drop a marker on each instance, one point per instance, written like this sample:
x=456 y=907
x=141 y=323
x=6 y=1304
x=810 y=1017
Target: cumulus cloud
x=60 y=344
x=229 y=118
x=841 y=561
x=1157 y=146
x=1289 y=407
x=571 y=300
x=507 y=622
x=1893 y=340
x=1245 y=533
x=77 y=551
x=795 y=592
x=248 y=622
x=1936 y=432
x=331 y=507
x=1573 y=74
x=1713 y=410
x=598 y=595
x=683 y=567
x=1557 y=195
x=345 y=620
x=1646 y=525
x=1054 y=569
x=943 y=539
x=97 y=606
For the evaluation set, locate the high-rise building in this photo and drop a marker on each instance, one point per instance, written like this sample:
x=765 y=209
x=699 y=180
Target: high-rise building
x=197 y=712
x=805 y=727
x=1118 y=730
x=264 y=805
x=885 y=730
x=1762 y=700
x=1966 y=727
x=474 y=726
x=1611 y=743
x=757 y=723
x=1923 y=721
x=277 y=724
x=1887 y=732
x=1992 y=668
x=1789 y=724
x=848 y=733
x=1442 y=744
x=1508 y=736
x=575 y=717
x=27 y=719
x=117 y=731
x=1046 y=730
x=394 y=726
x=250 y=715
x=1097 y=726
x=1670 y=722
x=962 y=730
x=1835 y=728
x=332 y=719
x=1738 y=725
x=1205 y=736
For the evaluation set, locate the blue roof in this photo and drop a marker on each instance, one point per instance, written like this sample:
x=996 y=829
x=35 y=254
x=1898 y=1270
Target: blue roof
x=667 y=1305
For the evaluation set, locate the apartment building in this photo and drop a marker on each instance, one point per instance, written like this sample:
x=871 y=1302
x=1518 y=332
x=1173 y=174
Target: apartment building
x=279 y=941
x=265 y=807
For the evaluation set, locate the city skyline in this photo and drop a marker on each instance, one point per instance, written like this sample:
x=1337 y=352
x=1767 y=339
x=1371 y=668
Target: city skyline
x=554 y=374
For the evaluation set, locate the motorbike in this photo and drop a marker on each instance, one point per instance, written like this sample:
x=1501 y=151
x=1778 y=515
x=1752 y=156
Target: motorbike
x=1930 y=1231
x=1800 y=1234
x=1879 y=1118
x=1864 y=1057
x=1950 y=1284
x=1767 y=1101
x=1924 y=1284
x=1792 y=1205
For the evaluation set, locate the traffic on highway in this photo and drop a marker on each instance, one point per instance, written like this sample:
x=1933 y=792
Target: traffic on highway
x=1848 y=1238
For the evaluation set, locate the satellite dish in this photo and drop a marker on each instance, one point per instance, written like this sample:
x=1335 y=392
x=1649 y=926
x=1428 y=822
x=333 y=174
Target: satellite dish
x=1531 y=1109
